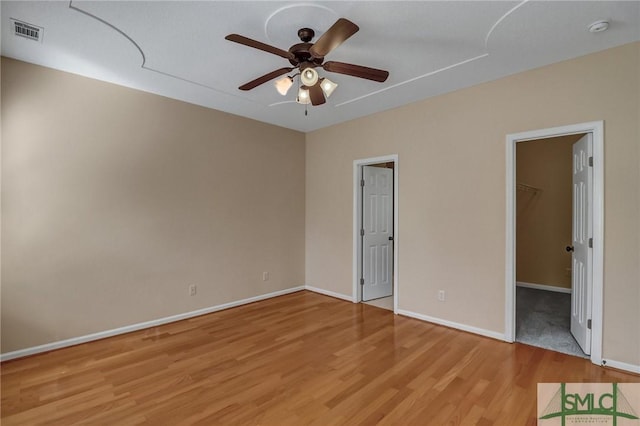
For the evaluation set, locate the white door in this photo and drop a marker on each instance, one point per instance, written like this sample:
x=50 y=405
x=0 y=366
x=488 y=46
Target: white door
x=377 y=234
x=581 y=276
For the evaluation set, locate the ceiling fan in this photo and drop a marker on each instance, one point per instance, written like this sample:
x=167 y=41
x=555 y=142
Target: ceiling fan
x=307 y=56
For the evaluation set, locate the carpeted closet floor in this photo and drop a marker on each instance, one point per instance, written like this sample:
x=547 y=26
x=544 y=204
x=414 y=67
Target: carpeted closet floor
x=543 y=319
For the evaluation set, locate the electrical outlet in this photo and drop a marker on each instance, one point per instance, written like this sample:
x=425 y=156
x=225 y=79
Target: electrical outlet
x=193 y=289
x=265 y=276
x=441 y=295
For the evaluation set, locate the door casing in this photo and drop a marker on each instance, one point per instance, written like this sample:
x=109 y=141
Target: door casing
x=596 y=128
x=357 y=225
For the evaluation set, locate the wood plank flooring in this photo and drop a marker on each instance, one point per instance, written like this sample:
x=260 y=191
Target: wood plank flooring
x=299 y=359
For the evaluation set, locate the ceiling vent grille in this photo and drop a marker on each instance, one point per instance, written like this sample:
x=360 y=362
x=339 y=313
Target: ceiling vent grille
x=29 y=31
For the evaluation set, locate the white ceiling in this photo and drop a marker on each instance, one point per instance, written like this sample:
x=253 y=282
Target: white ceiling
x=177 y=48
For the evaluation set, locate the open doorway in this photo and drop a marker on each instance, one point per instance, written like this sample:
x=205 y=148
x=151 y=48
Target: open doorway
x=375 y=231
x=585 y=245
x=544 y=175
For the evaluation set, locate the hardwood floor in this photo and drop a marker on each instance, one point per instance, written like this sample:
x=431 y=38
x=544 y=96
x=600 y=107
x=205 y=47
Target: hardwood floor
x=297 y=359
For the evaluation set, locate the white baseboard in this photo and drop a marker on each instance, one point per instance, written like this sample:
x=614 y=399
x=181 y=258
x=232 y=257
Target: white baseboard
x=543 y=287
x=621 y=366
x=329 y=293
x=451 y=324
x=140 y=326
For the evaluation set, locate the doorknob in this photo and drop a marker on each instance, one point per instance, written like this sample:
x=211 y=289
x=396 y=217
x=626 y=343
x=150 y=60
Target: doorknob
x=569 y=248
x=390 y=238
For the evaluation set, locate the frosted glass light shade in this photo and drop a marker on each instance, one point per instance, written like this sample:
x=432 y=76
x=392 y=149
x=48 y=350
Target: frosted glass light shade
x=327 y=86
x=309 y=77
x=283 y=85
x=303 y=96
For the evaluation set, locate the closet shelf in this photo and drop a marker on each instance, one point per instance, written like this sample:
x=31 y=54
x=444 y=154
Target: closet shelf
x=527 y=188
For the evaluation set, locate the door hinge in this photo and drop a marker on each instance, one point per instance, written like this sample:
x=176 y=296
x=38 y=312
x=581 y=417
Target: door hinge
x=590 y=242
x=362 y=232
x=361 y=281
x=589 y=324
x=361 y=182
x=590 y=161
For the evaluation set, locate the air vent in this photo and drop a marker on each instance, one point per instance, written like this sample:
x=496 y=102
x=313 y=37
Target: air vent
x=29 y=31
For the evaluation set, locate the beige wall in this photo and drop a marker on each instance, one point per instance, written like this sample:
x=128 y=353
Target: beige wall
x=452 y=190
x=543 y=217
x=115 y=200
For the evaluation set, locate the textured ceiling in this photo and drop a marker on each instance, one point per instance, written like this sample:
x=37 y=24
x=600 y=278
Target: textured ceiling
x=177 y=49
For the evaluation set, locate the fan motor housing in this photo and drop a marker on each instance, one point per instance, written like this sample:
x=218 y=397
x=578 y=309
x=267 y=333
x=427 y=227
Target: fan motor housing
x=301 y=50
x=301 y=53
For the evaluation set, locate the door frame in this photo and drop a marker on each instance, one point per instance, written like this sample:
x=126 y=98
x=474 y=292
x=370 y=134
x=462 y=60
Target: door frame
x=596 y=128
x=357 y=224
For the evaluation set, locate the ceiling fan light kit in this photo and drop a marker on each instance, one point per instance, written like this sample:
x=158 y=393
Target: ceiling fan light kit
x=306 y=57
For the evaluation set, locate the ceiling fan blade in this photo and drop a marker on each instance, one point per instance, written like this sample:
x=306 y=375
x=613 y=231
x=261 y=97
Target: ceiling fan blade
x=237 y=38
x=260 y=80
x=316 y=95
x=341 y=30
x=356 y=71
